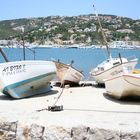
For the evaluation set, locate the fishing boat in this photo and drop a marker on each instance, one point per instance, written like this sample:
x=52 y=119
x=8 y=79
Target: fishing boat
x=21 y=79
x=67 y=74
x=25 y=78
x=111 y=66
x=125 y=85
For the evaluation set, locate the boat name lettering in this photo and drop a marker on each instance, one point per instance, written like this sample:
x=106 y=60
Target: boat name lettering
x=116 y=72
x=9 y=70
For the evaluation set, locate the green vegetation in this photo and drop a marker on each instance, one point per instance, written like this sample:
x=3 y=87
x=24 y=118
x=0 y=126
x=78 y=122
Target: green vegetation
x=78 y=29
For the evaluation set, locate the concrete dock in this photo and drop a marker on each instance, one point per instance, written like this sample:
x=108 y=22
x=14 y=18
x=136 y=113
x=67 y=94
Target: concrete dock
x=88 y=106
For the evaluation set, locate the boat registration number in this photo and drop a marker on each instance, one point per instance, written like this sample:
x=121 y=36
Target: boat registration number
x=13 y=69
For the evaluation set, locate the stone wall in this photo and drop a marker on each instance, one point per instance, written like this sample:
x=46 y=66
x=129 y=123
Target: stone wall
x=16 y=131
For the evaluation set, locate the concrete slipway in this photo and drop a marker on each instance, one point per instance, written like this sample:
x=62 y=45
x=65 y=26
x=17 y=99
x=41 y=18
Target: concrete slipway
x=88 y=106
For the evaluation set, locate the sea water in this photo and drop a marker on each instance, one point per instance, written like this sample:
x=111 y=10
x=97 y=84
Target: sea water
x=84 y=59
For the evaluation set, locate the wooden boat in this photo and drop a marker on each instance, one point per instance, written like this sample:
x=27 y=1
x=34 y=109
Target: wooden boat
x=21 y=79
x=111 y=66
x=67 y=74
x=127 y=84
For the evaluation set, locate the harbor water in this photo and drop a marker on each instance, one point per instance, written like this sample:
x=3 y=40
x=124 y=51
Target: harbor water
x=84 y=59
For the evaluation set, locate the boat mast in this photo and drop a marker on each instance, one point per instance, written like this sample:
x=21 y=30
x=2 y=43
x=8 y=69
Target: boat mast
x=4 y=56
x=103 y=34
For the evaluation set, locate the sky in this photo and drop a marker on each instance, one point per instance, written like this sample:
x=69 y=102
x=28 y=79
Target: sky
x=15 y=9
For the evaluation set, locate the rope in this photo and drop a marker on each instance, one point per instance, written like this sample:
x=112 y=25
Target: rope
x=62 y=85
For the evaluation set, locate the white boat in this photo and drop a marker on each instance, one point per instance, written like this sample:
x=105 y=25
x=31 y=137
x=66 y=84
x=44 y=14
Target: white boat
x=21 y=79
x=127 y=84
x=68 y=74
x=111 y=66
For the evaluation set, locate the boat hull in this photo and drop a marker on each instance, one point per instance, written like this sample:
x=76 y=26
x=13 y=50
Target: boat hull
x=26 y=78
x=123 y=86
x=113 y=71
x=67 y=74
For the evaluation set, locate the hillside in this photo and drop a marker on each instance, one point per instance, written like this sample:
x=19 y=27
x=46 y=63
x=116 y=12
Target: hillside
x=70 y=30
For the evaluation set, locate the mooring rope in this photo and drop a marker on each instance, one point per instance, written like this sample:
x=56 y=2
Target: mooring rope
x=62 y=85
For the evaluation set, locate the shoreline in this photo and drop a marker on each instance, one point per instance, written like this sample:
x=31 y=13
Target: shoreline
x=74 y=46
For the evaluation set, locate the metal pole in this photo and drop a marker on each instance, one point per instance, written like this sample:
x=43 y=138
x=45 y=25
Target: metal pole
x=4 y=56
x=23 y=43
x=23 y=48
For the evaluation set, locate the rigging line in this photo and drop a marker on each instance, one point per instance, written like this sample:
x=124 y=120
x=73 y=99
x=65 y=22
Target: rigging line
x=103 y=34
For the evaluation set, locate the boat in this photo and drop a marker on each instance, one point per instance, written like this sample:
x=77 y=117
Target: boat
x=22 y=79
x=111 y=66
x=124 y=85
x=67 y=74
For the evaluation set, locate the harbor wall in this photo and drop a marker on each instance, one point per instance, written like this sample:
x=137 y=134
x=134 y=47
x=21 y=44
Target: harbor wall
x=18 y=131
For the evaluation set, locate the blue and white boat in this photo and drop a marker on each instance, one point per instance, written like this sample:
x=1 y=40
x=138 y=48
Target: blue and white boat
x=21 y=79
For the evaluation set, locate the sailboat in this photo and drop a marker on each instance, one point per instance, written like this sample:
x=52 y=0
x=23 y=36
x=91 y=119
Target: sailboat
x=25 y=78
x=67 y=74
x=111 y=66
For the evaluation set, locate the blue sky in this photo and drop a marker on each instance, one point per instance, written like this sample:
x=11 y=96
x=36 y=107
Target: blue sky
x=13 y=9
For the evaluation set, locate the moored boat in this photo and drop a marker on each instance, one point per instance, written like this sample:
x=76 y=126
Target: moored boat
x=127 y=84
x=21 y=79
x=68 y=74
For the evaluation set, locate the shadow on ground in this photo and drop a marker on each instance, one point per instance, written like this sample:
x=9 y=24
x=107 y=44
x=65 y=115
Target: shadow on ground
x=5 y=97
x=135 y=100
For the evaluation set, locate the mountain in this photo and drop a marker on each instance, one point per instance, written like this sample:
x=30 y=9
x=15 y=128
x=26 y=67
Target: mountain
x=70 y=30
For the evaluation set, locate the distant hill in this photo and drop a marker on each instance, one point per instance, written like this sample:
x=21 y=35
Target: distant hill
x=70 y=30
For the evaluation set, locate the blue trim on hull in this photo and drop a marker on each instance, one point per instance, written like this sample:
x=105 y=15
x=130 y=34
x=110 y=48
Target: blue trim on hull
x=29 y=87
